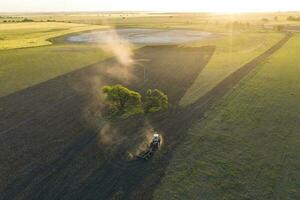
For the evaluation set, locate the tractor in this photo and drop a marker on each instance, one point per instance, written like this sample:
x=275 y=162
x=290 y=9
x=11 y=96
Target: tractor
x=153 y=146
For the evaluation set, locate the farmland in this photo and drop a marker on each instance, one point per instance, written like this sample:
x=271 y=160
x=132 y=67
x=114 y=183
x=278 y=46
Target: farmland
x=23 y=66
x=230 y=131
x=247 y=146
x=32 y=34
x=204 y=21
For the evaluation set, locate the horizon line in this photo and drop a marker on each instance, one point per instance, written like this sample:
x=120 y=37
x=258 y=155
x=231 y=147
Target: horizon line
x=144 y=11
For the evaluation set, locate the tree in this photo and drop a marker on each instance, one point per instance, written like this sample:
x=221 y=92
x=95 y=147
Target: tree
x=291 y=18
x=156 y=100
x=279 y=28
x=27 y=20
x=265 y=20
x=122 y=100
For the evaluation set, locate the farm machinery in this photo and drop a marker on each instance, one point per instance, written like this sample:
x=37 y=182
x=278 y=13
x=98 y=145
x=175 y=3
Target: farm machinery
x=153 y=146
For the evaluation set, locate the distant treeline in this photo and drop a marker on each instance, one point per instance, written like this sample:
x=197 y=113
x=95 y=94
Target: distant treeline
x=238 y=25
x=291 y=18
x=24 y=20
x=31 y=20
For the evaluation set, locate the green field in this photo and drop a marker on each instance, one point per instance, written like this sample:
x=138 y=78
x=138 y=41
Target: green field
x=22 y=68
x=232 y=51
x=247 y=146
x=32 y=34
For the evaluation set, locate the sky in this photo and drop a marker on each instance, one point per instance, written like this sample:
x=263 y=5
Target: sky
x=150 y=5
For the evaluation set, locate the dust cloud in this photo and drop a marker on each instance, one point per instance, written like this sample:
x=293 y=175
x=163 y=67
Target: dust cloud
x=109 y=135
x=147 y=132
x=121 y=49
x=94 y=102
x=122 y=70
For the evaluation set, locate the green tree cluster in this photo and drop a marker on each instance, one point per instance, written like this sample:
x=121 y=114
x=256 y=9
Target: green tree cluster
x=279 y=28
x=122 y=101
x=292 y=18
x=156 y=100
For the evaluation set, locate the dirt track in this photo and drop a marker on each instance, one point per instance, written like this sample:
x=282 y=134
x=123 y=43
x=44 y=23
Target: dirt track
x=48 y=152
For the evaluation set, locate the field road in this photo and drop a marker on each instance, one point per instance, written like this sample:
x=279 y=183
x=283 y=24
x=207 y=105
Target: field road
x=48 y=151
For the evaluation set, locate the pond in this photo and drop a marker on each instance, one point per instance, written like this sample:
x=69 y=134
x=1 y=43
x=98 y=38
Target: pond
x=141 y=36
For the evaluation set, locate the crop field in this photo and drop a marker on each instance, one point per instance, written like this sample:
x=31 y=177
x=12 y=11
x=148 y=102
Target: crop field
x=247 y=146
x=222 y=138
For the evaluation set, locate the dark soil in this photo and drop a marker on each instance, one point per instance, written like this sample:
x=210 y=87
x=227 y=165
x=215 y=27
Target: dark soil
x=48 y=148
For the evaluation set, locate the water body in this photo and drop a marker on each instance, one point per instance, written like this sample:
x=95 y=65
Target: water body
x=141 y=36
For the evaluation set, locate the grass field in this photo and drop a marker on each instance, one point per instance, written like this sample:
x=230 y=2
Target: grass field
x=32 y=34
x=22 y=68
x=247 y=147
x=231 y=53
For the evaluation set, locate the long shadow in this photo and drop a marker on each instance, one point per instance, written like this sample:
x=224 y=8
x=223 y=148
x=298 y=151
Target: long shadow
x=50 y=153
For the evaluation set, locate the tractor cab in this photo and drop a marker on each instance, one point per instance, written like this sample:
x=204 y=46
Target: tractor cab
x=155 y=141
x=154 y=145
